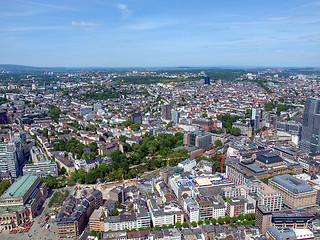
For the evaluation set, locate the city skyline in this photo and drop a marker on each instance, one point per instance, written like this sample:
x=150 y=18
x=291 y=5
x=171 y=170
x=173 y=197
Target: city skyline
x=146 y=33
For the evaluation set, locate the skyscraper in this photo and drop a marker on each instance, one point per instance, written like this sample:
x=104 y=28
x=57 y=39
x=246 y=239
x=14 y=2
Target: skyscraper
x=255 y=118
x=310 y=127
x=175 y=116
x=166 y=112
x=207 y=80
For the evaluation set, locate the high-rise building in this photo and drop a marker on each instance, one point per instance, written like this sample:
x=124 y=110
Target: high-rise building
x=311 y=126
x=207 y=80
x=136 y=117
x=9 y=160
x=175 y=116
x=166 y=112
x=255 y=118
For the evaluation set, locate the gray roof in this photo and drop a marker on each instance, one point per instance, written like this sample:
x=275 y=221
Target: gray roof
x=280 y=233
x=293 y=184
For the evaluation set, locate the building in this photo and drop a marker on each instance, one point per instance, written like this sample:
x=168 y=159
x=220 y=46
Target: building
x=280 y=233
x=96 y=220
x=263 y=218
x=40 y=165
x=121 y=222
x=175 y=116
x=9 y=159
x=117 y=194
x=310 y=126
x=75 y=213
x=296 y=193
x=136 y=117
x=206 y=124
x=170 y=214
x=198 y=139
x=21 y=202
x=207 y=80
x=237 y=206
x=166 y=112
x=255 y=118
x=85 y=110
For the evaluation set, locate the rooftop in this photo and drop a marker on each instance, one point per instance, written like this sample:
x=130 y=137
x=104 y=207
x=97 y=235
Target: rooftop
x=20 y=187
x=293 y=184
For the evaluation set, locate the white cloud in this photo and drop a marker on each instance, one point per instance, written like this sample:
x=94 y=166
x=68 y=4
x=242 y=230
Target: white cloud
x=277 y=18
x=124 y=9
x=84 y=24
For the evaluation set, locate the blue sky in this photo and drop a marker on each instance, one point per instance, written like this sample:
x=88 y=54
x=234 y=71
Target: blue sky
x=146 y=33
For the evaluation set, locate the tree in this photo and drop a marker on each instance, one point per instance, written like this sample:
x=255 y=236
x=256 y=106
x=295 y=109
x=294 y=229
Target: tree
x=231 y=225
x=235 y=131
x=218 y=143
x=178 y=225
x=227 y=219
x=141 y=229
x=148 y=228
x=164 y=226
x=115 y=212
x=133 y=230
x=234 y=219
x=241 y=217
x=248 y=216
x=54 y=113
x=156 y=228
x=171 y=226
x=204 y=115
x=213 y=220
x=4 y=185
x=220 y=220
x=135 y=127
x=207 y=221
x=253 y=216
x=185 y=225
x=194 y=224
x=169 y=125
x=200 y=222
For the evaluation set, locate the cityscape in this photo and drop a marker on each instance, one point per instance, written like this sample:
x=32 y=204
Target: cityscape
x=160 y=120
x=177 y=153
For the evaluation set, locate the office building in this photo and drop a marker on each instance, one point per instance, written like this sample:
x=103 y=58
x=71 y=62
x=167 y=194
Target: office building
x=117 y=194
x=296 y=193
x=207 y=80
x=136 y=117
x=9 y=159
x=198 y=139
x=40 y=164
x=85 y=110
x=175 y=116
x=255 y=118
x=166 y=112
x=311 y=126
x=97 y=107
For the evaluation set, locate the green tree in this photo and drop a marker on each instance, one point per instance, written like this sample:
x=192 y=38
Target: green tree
x=241 y=217
x=227 y=219
x=253 y=216
x=4 y=185
x=115 y=212
x=178 y=225
x=220 y=220
x=234 y=219
x=54 y=113
x=185 y=225
x=156 y=228
x=135 y=127
x=200 y=222
x=218 y=143
x=235 y=131
x=204 y=115
x=171 y=226
x=231 y=224
x=169 y=125
x=207 y=221
x=141 y=229
x=248 y=216
x=213 y=220
x=194 y=224
x=148 y=228
x=133 y=230
x=164 y=226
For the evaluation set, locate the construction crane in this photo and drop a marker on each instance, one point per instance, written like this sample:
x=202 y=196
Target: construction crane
x=168 y=159
x=137 y=175
x=222 y=158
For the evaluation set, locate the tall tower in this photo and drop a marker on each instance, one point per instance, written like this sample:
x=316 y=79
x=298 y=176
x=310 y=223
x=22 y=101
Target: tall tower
x=310 y=126
x=166 y=112
x=255 y=118
x=207 y=80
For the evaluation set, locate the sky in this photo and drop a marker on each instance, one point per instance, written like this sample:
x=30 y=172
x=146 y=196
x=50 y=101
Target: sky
x=162 y=33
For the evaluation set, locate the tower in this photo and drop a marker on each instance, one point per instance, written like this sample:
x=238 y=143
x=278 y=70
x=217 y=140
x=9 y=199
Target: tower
x=207 y=80
x=310 y=126
x=166 y=112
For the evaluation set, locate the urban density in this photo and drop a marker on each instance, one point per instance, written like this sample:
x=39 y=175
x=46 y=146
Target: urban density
x=177 y=153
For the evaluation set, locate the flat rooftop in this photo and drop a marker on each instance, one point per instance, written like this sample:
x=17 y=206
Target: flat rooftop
x=20 y=187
